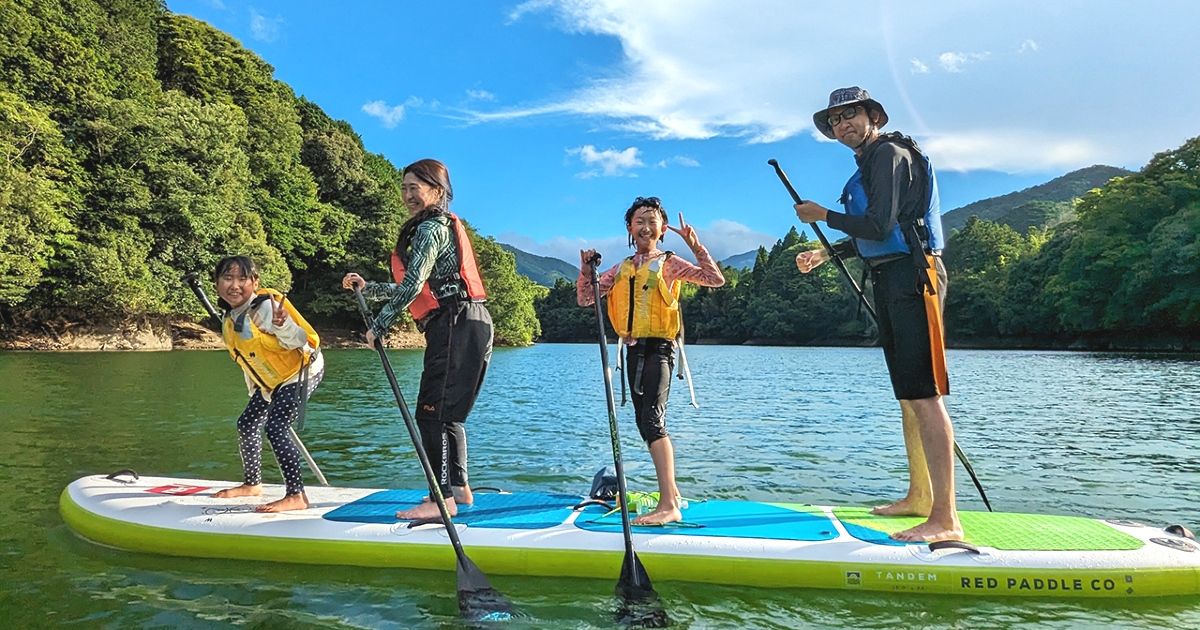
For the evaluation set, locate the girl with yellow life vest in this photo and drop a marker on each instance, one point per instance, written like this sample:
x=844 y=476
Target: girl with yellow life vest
x=279 y=356
x=437 y=280
x=643 y=307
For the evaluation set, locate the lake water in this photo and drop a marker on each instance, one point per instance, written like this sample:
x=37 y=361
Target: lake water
x=1102 y=435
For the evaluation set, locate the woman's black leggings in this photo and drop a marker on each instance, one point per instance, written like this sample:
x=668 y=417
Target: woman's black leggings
x=458 y=347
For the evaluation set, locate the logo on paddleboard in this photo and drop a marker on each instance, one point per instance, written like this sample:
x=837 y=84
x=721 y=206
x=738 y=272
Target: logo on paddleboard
x=853 y=578
x=177 y=489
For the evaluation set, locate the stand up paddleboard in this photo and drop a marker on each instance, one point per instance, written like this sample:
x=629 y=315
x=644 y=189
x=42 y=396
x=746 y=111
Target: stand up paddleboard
x=781 y=545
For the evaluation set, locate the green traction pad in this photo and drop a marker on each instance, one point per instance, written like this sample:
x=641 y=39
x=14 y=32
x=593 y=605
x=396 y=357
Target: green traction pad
x=999 y=530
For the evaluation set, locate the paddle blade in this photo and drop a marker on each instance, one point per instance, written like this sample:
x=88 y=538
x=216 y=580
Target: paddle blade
x=638 y=605
x=477 y=600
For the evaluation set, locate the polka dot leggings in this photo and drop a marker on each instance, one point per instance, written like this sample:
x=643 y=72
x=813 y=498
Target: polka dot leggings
x=276 y=416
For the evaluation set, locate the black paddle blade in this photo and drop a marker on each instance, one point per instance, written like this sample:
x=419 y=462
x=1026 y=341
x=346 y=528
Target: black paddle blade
x=477 y=600
x=638 y=604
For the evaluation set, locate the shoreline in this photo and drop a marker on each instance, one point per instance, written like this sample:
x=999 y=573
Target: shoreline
x=168 y=334
x=162 y=335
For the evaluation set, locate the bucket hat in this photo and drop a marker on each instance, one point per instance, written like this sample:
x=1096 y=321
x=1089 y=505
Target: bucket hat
x=841 y=98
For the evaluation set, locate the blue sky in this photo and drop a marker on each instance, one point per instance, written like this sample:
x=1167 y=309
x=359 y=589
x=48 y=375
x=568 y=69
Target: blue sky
x=554 y=114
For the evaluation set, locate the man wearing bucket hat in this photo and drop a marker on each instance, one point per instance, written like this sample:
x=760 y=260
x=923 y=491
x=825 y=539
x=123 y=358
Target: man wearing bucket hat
x=893 y=219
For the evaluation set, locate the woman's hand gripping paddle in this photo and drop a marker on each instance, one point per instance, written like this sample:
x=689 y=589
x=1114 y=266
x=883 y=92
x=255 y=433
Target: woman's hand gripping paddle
x=837 y=260
x=193 y=280
x=640 y=605
x=477 y=600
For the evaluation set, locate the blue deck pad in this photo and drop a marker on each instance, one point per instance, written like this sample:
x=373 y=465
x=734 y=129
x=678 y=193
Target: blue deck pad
x=875 y=536
x=524 y=510
x=727 y=519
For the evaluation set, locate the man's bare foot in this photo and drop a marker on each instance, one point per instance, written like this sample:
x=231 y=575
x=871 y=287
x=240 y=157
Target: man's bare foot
x=298 y=501
x=904 y=507
x=462 y=496
x=427 y=510
x=239 y=491
x=661 y=515
x=930 y=532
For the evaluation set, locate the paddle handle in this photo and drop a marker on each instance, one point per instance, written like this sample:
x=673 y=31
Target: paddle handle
x=837 y=260
x=193 y=281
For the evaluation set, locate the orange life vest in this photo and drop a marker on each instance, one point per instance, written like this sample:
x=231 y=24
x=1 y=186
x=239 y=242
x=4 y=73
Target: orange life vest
x=468 y=274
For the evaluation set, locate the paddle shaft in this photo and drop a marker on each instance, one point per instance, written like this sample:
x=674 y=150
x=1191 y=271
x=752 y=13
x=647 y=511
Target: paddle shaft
x=841 y=265
x=435 y=490
x=192 y=281
x=613 y=431
x=837 y=260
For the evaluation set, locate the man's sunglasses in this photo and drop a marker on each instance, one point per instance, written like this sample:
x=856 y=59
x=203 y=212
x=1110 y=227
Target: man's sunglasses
x=845 y=114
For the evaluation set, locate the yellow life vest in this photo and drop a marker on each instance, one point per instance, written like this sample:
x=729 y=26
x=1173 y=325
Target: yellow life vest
x=641 y=304
x=259 y=354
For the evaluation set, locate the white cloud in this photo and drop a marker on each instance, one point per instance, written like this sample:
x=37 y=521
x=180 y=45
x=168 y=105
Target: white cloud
x=264 y=28
x=678 y=160
x=609 y=162
x=480 y=95
x=755 y=80
x=955 y=61
x=723 y=238
x=1011 y=150
x=390 y=116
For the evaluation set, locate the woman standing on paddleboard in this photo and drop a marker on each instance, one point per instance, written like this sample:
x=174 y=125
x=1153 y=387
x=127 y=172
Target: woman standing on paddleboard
x=437 y=279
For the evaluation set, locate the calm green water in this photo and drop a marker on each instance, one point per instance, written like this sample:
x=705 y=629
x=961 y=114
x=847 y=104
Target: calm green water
x=1101 y=435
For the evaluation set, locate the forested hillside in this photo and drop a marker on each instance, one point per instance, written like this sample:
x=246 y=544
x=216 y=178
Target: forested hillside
x=138 y=145
x=1043 y=205
x=543 y=270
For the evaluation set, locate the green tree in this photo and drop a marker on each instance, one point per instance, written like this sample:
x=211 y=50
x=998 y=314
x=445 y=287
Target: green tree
x=510 y=295
x=37 y=199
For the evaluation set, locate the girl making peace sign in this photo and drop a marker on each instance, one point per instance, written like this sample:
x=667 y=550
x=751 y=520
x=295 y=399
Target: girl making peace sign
x=643 y=306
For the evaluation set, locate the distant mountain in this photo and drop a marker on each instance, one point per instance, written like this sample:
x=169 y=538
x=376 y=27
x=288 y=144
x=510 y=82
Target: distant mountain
x=543 y=270
x=741 y=261
x=1043 y=205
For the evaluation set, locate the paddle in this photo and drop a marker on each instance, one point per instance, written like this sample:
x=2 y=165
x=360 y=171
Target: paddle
x=640 y=605
x=477 y=600
x=841 y=265
x=192 y=280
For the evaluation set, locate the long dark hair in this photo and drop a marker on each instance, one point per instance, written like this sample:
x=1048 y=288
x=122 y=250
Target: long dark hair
x=434 y=173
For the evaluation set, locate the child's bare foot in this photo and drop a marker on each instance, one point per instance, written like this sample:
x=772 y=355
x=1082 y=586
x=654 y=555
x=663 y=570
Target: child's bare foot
x=298 y=501
x=427 y=510
x=661 y=515
x=239 y=491
x=904 y=507
x=931 y=532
